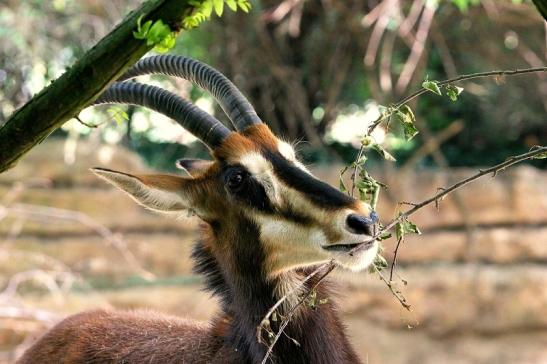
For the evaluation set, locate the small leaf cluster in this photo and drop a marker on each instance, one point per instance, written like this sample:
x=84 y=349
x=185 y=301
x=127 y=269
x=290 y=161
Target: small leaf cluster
x=367 y=186
x=118 y=114
x=369 y=143
x=157 y=34
x=451 y=91
x=313 y=301
x=204 y=9
x=404 y=227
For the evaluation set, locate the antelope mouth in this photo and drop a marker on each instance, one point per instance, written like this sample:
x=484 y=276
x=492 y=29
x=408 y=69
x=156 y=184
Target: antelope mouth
x=344 y=248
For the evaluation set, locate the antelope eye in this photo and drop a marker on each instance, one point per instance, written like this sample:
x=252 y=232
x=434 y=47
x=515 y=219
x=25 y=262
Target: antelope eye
x=235 y=180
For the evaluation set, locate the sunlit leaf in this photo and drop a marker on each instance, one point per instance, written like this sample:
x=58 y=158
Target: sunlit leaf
x=540 y=156
x=404 y=227
x=432 y=86
x=232 y=4
x=219 y=7
x=406 y=117
x=453 y=91
x=384 y=153
x=118 y=114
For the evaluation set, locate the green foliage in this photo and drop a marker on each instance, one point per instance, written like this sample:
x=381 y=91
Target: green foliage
x=157 y=34
x=406 y=117
x=453 y=91
x=118 y=114
x=379 y=263
x=432 y=86
x=540 y=156
x=203 y=9
x=160 y=35
x=404 y=227
x=370 y=143
x=463 y=5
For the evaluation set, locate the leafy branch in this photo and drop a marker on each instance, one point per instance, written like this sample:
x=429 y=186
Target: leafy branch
x=204 y=9
x=403 y=226
x=452 y=91
x=369 y=188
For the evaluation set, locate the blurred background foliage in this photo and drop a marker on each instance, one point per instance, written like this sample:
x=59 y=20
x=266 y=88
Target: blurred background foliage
x=316 y=71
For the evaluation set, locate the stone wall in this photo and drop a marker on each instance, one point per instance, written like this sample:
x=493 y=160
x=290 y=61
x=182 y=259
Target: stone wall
x=477 y=277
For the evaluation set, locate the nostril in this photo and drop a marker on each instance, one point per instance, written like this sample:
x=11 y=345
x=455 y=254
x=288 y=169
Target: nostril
x=360 y=224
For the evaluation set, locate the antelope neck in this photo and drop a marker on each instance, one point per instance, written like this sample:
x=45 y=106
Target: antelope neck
x=237 y=277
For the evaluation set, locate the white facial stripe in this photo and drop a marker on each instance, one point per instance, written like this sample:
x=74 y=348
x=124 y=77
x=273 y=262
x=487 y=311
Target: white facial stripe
x=286 y=151
x=262 y=171
x=255 y=163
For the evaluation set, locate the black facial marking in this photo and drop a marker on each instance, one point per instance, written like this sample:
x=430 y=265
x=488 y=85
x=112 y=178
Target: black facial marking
x=240 y=184
x=318 y=192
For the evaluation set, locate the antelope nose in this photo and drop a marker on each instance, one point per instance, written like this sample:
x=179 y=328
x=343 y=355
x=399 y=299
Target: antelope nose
x=360 y=224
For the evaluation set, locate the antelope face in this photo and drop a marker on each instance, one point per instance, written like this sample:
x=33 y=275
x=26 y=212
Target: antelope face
x=301 y=220
x=254 y=180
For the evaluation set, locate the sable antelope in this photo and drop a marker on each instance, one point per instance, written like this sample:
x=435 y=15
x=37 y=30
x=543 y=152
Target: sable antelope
x=267 y=222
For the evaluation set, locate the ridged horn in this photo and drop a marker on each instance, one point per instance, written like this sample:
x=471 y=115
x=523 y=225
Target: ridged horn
x=202 y=125
x=235 y=105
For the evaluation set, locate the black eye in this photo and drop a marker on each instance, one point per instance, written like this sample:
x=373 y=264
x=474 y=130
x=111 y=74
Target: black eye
x=235 y=180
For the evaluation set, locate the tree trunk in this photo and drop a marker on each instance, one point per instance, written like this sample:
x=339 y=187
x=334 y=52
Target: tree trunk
x=80 y=85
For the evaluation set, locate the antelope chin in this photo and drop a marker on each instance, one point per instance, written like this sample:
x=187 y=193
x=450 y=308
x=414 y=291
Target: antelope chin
x=358 y=260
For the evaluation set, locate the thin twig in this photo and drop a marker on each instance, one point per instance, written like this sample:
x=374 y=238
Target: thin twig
x=396 y=294
x=92 y=126
x=329 y=268
x=471 y=76
x=394 y=261
x=288 y=294
x=445 y=191
x=357 y=166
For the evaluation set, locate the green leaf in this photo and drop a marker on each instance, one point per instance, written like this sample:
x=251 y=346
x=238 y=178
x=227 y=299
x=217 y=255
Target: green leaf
x=379 y=264
x=244 y=5
x=404 y=227
x=219 y=6
x=207 y=8
x=406 y=117
x=453 y=91
x=384 y=153
x=432 y=86
x=385 y=235
x=142 y=30
x=342 y=185
x=540 y=156
x=462 y=5
x=118 y=114
x=166 y=44
x=232 y=4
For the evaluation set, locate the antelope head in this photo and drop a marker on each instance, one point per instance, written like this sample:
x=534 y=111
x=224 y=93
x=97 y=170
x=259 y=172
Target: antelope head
x=254 y=183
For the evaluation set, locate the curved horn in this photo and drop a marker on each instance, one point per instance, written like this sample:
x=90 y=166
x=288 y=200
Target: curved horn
x=232 y=101
x=196 y=121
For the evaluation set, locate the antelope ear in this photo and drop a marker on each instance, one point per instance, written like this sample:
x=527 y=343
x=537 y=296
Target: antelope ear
x=157 y=192
x=194 y=167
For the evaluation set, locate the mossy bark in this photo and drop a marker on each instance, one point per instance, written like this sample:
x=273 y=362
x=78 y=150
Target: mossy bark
x=81 y=84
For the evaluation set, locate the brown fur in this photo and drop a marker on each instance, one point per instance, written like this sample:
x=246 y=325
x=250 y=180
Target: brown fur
x=234 y=262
